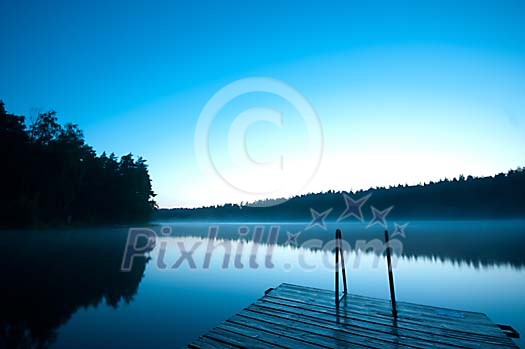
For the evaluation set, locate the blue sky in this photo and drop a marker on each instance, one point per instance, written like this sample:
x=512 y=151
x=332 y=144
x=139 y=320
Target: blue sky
x=406 y=91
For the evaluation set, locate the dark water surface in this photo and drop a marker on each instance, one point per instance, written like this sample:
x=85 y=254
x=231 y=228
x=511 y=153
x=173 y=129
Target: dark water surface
x=65 y=289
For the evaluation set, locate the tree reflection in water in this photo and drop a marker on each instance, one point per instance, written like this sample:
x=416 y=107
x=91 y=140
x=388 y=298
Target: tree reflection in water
x=48 y=275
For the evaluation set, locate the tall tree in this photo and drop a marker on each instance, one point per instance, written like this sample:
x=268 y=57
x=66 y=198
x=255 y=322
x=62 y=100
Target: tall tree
x=53 y=177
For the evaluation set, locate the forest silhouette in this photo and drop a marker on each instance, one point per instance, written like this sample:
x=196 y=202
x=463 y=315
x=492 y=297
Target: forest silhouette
x=499 y=196
x=52 y=177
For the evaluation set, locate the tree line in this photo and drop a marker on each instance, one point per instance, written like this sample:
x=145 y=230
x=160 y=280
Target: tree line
x=499 y=196
x=52 y=177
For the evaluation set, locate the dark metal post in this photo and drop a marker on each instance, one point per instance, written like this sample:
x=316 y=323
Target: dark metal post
x=339 y=253
x=342 y=262
x=337 y=267
x=390 y=276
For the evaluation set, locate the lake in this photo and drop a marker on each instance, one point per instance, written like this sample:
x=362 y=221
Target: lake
x=65 y=288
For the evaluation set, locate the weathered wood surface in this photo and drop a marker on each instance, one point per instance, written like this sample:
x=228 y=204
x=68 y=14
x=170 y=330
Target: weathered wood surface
x=292 y=316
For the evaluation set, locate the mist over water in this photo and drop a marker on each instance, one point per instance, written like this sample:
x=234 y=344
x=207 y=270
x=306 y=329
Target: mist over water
x=476 y=242
x=65 y=288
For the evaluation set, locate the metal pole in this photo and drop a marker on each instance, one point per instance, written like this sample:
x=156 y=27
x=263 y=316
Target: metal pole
x=390 y=276
x=342 y=262
x=339 y=253
x=337 y=232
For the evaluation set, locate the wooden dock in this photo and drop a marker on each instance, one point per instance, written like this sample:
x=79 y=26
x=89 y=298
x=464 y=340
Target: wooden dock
x=292 y=316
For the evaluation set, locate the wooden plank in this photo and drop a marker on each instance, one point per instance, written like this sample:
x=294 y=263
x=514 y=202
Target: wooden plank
x=416 y=332
x=445 y=325
x=311 y=333
x=354 y=337
x=292 y=316
x=372 y=310
x=254 y=330
x=490 y=334
x=436 y=320
x=366 y=329
x=237 y=340
x=470 y=317
x=380 y=304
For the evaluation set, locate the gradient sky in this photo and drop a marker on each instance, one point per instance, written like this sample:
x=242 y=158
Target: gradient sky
x=406 y=91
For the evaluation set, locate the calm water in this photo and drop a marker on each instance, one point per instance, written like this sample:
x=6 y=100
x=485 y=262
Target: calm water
x=65 y=289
